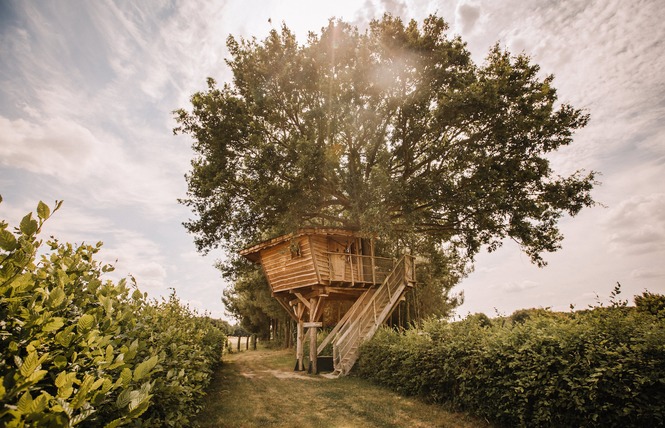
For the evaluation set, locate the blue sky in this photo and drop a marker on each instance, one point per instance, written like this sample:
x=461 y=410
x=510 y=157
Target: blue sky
x=87 y=90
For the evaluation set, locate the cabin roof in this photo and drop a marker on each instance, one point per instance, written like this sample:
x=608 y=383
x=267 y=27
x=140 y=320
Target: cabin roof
x=252 y=253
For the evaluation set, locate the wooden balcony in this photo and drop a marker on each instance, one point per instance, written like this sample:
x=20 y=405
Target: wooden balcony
x=357 y=270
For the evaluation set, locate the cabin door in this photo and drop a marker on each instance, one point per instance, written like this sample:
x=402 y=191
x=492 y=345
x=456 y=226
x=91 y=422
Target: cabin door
x=337 y=260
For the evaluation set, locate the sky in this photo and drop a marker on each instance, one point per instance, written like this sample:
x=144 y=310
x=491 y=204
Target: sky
x=87 y=90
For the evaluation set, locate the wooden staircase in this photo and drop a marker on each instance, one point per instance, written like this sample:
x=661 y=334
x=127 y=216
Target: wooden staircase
x=367 y=314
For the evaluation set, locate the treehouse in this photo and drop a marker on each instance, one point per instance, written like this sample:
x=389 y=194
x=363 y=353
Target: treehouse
x=311 y=268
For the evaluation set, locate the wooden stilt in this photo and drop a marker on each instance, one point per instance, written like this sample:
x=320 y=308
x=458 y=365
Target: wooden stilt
x=300 y=351
x=312 y=337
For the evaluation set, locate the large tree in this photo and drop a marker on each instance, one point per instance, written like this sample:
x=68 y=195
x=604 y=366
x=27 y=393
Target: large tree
x=393 y=131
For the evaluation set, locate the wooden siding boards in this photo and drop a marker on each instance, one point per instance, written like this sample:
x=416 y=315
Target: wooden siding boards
x=286 y=270
x=322 y=266
x=315 y=258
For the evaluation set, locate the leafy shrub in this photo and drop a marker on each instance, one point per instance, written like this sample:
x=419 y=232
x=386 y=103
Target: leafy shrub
x=189 y=346
x=650 y=303
x=603 y=367
x=80 y=350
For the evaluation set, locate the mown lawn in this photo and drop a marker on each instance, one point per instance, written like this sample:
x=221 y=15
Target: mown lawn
x=260 y=388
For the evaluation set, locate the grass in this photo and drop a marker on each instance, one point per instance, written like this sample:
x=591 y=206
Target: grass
x=260 y=388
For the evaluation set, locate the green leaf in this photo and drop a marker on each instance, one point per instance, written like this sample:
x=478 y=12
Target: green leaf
x=65 y=392
x=81 y=395
x=109 y=354
x=123 y=399
x=97 y=384
x=43 y=211
x=107 y=304
x=65 y=337
x=54 y=324
x=37 y=375
x=115 y=423
x=137 y=295
x=56 y=297
x=61 y=380
x=28 y=225
x=85 y=322
x=106 y=386
x=7 y=240
x=25 y=403
x=125 y=377
x=40 y=403
x=29 y=364
x=139 y=409
x=144 y=368
x=81 y=417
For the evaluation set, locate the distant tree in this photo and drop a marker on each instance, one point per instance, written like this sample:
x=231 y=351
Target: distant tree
x=394 y=132
x=252 y=304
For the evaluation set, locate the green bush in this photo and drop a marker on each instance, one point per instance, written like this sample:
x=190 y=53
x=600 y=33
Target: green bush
x=189 y=346
x=650 y=303
x=602 y=367
x=77 y=349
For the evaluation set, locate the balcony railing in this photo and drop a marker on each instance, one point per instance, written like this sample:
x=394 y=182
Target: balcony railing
x=355 y=268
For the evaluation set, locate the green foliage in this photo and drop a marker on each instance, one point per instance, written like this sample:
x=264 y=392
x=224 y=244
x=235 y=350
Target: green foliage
x=79 y=350
x=650 y=303
x=251 y=301
x=394 y=132
x=602 y=367
x=187 y=347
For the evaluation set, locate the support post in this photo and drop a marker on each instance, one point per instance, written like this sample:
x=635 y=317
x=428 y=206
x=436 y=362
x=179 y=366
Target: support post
x=300 y=350
x=312 y=337
x=300 y=337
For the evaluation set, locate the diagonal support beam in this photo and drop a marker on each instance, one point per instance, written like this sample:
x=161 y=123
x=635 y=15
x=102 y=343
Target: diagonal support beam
x=303 y=300
x=284 y=304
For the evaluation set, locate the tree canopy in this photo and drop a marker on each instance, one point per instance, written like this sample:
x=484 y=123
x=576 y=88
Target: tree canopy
x=393 y=131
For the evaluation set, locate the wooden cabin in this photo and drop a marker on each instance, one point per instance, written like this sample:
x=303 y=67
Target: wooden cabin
x=308 y=268
x=329 y=258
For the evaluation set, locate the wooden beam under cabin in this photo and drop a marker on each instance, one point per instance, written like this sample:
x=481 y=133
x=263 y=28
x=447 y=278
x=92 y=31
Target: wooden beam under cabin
x=303 y=300
x=285 y=305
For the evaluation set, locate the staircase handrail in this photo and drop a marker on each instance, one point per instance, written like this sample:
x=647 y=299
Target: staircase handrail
x=347 y=335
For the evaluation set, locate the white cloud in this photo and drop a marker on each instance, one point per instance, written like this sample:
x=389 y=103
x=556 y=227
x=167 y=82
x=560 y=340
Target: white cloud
x=648 y=273
x=516 y=287
x=466 y=16
x=91 y=165
x=57 y=147
x=637 y=225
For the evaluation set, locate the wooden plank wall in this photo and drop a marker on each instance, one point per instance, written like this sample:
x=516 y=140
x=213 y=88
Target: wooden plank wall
x=285 y=272
x=319 y=248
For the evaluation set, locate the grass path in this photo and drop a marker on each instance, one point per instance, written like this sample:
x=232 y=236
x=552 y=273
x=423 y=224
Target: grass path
x=259 y=388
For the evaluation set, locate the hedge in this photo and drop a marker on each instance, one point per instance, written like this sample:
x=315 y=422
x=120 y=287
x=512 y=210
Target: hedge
x=80 y=350
x=601 y=367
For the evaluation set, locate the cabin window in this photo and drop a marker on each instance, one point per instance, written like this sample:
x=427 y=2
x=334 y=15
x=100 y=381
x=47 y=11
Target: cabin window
x=294 y=247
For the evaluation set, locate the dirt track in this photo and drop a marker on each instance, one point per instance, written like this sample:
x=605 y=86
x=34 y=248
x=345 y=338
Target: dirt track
x=260 y=388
